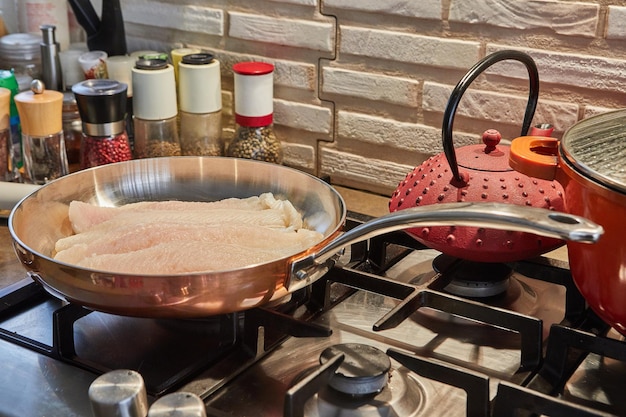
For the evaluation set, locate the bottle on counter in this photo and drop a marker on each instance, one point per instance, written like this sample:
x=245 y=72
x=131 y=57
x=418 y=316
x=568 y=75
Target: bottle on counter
x=120 y=68
x=21 y=52
x=72 y=130
x=155 y=109
x=8 y=81
x=176 y=56
x=40 y=112
x=200 y=97
x=102 y=107
x=254 y=113
x=7 y=170
x=71 y=68
x=50 y=62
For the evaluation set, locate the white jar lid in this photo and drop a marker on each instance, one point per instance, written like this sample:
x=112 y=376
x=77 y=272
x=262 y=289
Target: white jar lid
x=199 y=84
x=154 y=90
x=254 y=93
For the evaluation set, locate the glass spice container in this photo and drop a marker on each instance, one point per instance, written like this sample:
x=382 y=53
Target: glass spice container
x=9 y=81
x=155 y=109
x=102 y=107
x=7 y=170
x=200 y=97
x=254 y=113
x=40 y=114
x=72 y=129
x=21 y=53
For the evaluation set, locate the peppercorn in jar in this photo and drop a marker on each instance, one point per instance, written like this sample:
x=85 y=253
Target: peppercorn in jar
x=102 y=108
x=254 y=114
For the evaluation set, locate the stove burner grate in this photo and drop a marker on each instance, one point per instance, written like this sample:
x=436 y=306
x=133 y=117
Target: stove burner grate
x=166 y=352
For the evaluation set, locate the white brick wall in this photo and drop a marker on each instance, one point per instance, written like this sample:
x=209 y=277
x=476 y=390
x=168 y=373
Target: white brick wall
x=282 y=31
x=361 y=85
x=564 y=18
x=190 y=18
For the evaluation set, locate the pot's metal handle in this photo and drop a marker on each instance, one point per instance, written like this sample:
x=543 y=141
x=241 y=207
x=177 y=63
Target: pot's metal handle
x=490 y=215
x=463 y=84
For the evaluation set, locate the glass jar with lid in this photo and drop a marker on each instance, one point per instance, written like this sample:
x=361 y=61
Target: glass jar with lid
x=102 y=107
x=7 y=168
x=22 y=53
x=200 y=97
x=254 y=113
x=155 y=109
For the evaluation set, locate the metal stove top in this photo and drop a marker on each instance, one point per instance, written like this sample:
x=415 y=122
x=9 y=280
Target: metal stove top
x=448 y=354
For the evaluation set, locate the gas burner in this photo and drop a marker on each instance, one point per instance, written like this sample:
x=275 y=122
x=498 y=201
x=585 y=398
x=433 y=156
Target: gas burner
x=366 y=385
x=473 y=279
x=364 y=371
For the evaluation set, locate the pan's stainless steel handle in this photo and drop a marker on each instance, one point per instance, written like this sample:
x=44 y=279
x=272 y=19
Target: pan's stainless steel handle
x=501 y=216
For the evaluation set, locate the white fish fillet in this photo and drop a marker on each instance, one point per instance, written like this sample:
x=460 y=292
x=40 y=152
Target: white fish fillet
x=181 y=237
x=84 y=216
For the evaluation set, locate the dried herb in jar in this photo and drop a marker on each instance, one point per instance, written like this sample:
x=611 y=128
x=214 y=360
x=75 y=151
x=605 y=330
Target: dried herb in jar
x=200 y=97
x=155 y=109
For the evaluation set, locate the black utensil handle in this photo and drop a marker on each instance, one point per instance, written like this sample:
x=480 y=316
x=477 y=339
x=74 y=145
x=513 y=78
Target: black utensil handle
x=86 y=15
x=463 y=84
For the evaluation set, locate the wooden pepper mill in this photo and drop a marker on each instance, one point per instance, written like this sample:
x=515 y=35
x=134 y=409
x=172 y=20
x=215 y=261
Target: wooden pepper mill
x=41 y=116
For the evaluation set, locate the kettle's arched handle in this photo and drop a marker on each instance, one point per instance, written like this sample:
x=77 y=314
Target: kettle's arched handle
x=463 y=84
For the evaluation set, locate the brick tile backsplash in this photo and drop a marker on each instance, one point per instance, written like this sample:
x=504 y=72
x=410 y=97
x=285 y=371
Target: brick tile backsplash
x=561 y=17
x=360 y=86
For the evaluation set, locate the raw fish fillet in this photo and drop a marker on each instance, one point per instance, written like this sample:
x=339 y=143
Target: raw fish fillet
x=174 y=237
x=84 y=216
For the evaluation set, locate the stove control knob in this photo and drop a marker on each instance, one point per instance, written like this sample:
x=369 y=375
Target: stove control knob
x=119 y=393
x=178 y=404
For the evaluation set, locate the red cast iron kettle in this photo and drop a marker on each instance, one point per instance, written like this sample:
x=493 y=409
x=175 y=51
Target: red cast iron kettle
x=480 y=173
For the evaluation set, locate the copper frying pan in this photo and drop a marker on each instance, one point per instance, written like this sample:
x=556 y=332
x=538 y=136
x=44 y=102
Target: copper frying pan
x=41 y=218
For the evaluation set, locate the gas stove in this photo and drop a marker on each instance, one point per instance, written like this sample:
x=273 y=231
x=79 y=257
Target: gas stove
x=396 y=329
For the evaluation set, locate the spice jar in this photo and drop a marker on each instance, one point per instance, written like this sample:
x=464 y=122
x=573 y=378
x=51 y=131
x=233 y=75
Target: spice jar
x=40 y=114
x=21 y=53
x=9 y=81
x=254 y=111
x=155 y=109
x=72 y=129
x=102 y=107
x=200 y=97
x=7 y=170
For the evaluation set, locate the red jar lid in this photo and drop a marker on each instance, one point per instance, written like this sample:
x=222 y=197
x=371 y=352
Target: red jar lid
x=253 y=68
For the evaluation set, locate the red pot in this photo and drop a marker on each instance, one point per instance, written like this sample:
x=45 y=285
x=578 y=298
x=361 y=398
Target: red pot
x=590 y=163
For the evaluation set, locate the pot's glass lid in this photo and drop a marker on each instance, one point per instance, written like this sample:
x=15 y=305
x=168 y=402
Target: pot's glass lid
x=597 y=148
